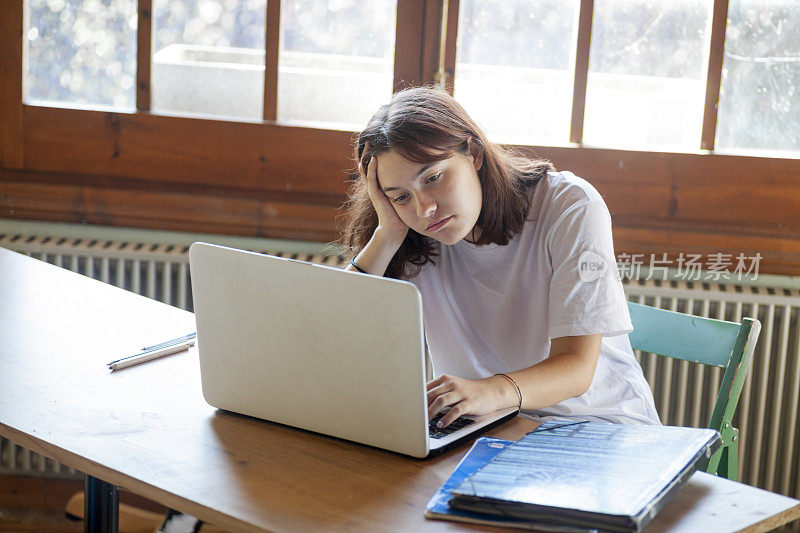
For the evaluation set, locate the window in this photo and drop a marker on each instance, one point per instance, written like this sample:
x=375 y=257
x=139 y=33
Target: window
x=647 y=77
x=760 y=94
x=336 y=61
x=646 y=73
x=82 y=53
x=514 y=67
x=209 y=57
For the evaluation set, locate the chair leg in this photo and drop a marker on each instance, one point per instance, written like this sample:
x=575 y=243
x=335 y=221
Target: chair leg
x=716 y=464
x=722 y=468
x=726 y=461
x=733 y=461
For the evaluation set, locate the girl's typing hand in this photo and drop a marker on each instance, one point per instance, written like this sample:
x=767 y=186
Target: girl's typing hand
x=388 y=220
x=468 y=396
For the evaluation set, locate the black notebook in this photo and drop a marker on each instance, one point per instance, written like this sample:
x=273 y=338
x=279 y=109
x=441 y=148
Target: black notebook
x=611 y=477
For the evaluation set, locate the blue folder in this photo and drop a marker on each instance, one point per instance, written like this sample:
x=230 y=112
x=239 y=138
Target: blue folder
x=483 y=450
x=612 y=477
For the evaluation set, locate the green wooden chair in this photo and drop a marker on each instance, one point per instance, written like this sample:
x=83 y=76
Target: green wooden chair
x=708 y=341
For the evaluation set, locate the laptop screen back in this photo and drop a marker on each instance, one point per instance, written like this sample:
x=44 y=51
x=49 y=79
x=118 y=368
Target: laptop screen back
x=311 y=346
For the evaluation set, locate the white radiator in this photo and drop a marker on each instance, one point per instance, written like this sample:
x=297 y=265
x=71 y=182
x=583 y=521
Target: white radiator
x=769 y=445
x=684 y=393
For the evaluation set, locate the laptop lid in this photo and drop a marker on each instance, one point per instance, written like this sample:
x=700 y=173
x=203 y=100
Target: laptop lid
x=311 y=346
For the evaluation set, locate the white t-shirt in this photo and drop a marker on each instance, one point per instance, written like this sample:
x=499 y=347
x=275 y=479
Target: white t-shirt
x=493 y=308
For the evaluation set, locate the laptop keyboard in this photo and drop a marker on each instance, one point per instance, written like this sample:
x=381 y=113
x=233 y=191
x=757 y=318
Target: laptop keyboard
x=437 y=433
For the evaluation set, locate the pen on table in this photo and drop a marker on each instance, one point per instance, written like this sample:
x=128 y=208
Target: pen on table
x=191 y=335
x=149 y=355
x=186 y=340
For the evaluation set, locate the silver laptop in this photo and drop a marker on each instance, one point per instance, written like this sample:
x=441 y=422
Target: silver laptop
x=318 y=348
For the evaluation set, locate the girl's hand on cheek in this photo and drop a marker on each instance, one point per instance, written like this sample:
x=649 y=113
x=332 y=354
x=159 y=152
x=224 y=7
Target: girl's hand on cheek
x=464 y=397
x=388 y=220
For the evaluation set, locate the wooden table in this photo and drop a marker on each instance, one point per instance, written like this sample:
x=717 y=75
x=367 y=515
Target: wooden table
x=148 y=429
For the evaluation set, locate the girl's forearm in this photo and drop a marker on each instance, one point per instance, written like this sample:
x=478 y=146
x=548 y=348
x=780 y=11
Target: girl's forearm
x=557 y=378
x=375 y=257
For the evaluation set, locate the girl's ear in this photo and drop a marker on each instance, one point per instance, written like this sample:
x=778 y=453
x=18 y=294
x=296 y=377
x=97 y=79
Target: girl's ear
x=475 y=149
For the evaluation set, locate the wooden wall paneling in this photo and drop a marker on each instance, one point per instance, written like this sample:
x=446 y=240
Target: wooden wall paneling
x=11 y=71
x=272 y=56
x=143 y=54
x=719 y=23
x=175 y=151
x=779 y=255
x=581 y=74
x=135 y=184
x=408 y=50
x=168 y=210
x=240 y=215
x=665 y=191
x=749 y=194
x=726 y=193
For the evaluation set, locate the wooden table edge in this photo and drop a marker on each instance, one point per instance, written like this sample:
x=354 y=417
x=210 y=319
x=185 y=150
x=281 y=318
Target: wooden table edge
x=774 y=521
x=114 y=477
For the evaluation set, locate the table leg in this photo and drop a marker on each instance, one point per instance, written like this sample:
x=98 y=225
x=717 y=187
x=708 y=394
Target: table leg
x=100 y=506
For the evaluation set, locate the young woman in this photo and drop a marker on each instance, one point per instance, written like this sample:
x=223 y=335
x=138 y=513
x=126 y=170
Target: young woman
x=515 y=263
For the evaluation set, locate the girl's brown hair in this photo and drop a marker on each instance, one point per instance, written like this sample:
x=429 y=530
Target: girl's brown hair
x=423 y=125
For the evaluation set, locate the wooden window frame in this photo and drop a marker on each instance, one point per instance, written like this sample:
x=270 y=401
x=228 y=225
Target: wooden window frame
x=275 y=180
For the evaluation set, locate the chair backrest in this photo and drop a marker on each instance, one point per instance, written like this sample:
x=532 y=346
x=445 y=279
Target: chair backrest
x=702 y=340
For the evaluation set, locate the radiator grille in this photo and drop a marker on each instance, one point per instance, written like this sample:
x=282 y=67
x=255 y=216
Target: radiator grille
x=157 y=271
x=768 y=407
x=684 y=393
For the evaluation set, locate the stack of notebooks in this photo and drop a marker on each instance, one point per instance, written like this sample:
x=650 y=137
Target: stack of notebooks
x=574 y=476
